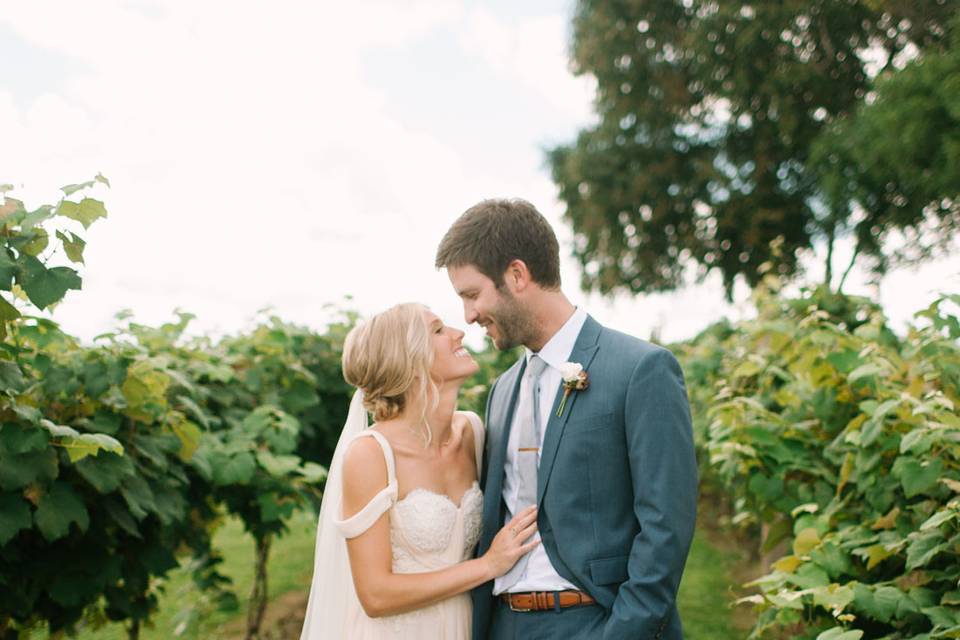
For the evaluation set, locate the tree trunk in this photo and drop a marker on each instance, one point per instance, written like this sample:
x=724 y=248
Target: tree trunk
x=6 y=632
x=853 y=261
x=757 y=554
x=828 y=278
x=133 y=633
x=258 y=597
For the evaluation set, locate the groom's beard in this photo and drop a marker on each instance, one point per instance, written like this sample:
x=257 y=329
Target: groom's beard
x=514 y=323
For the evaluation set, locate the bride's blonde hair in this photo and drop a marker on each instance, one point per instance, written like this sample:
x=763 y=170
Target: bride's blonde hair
x=389 y=357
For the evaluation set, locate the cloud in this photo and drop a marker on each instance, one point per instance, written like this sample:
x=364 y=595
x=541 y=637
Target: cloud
x=255 y=162
x=227 y=141
x=532 y=50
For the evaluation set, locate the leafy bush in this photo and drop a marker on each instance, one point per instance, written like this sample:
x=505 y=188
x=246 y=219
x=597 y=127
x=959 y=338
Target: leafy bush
x=118 y=460
x=844 y=440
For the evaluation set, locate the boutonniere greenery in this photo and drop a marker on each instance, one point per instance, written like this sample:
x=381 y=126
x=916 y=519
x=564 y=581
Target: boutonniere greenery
x=574 y=379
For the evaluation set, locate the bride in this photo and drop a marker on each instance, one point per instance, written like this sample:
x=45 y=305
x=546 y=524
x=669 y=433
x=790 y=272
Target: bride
x=402 y=504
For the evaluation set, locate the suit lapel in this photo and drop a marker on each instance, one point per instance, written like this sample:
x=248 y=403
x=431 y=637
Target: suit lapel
x=584 y=350
x=499 y=423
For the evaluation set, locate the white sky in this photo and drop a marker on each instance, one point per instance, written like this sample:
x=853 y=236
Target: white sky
x=288 y=154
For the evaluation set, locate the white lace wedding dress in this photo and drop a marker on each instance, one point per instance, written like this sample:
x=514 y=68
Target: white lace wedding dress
x=428 y=531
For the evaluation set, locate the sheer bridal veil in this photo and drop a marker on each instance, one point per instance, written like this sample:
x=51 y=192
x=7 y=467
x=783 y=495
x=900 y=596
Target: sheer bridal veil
x=332 y=593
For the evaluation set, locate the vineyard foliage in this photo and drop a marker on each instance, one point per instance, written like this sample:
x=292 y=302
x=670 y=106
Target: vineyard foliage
x=840 y=441
x=837 y=440
x=118 y=460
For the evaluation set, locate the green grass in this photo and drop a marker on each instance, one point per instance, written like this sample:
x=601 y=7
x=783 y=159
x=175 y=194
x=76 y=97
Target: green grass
x=705 y=593
x=290 y=569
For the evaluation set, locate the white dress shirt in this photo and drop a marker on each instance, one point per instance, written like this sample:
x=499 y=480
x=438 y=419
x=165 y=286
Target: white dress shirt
x=539 y=574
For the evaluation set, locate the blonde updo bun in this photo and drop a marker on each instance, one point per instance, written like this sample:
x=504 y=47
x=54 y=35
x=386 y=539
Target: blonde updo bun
x=389 y=358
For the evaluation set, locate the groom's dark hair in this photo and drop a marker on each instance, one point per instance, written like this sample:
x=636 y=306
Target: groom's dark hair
x=493 y=233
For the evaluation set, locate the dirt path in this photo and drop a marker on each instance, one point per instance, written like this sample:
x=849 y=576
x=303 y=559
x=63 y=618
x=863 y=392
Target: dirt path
x=282 y=620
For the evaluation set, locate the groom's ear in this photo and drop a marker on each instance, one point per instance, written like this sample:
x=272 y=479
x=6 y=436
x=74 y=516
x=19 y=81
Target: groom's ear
x=517 y=276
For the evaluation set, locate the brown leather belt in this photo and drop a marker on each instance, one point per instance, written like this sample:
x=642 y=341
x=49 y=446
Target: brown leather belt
x=544 y=600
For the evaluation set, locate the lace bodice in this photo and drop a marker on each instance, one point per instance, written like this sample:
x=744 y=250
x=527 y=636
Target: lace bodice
x=428 y=531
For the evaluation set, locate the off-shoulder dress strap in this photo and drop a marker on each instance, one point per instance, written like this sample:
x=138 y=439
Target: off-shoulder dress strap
x=362 y=520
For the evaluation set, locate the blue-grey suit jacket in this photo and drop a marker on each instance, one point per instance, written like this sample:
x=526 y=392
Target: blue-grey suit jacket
x=617 y=485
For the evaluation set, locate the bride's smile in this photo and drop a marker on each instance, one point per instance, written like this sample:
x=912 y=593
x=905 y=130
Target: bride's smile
x=451 y=361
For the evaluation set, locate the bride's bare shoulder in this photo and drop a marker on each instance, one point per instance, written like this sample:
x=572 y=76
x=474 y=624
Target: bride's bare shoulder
x=364 y=467
x=467 y=424
x=468 y=420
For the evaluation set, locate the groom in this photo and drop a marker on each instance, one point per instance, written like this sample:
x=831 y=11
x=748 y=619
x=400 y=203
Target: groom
x=606 y=455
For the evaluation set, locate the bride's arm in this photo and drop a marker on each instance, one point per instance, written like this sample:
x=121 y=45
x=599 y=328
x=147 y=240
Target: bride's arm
x=382 y=592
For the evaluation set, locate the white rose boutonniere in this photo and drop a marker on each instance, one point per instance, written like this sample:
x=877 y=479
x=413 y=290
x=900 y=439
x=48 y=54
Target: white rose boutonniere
x=574 y=379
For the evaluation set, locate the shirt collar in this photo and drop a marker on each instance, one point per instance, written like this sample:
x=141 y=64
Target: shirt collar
x=560 y=346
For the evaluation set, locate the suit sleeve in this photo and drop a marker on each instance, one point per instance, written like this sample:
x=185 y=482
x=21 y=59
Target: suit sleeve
x=663 y=472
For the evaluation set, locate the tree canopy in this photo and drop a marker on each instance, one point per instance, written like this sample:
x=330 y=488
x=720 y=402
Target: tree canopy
x=724 y=126
x=898 y=158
